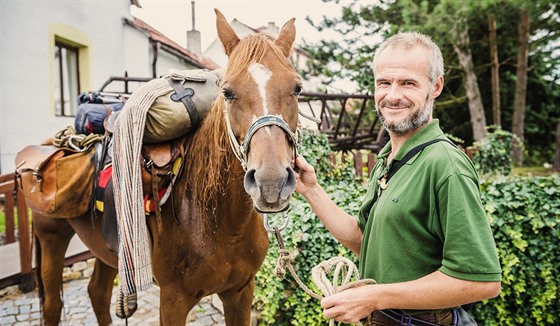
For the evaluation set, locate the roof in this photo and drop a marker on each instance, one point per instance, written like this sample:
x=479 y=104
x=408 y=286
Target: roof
x=157 y=36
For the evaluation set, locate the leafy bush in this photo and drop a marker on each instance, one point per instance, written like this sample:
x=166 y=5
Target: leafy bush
x=524 y=213
x=494 y=153
x=283 y=302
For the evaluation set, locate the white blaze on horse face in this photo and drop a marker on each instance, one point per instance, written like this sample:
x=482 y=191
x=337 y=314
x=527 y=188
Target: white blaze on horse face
x=261 y=75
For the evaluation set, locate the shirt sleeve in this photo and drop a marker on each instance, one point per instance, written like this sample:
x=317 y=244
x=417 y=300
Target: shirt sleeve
x=469 y=250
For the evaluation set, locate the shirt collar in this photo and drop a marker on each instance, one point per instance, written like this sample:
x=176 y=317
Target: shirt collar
x=426 y=133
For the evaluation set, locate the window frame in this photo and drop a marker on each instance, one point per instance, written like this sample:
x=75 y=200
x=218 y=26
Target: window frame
x=59 y=46
x=68 y=37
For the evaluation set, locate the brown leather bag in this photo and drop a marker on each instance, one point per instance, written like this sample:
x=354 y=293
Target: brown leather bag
x=56 y=182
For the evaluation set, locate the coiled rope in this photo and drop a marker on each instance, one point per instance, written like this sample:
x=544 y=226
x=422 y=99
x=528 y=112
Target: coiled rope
x=344 y=271
x=68 y=138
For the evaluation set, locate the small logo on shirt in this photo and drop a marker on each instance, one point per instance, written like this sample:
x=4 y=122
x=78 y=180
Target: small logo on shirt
x=394 y=200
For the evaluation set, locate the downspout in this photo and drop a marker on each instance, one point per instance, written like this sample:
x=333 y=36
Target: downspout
x=155 y=49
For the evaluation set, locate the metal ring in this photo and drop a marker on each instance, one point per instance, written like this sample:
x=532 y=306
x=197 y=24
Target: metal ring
x=271 y=229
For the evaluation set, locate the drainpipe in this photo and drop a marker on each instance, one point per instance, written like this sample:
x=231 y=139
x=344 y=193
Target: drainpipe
x=155 y=50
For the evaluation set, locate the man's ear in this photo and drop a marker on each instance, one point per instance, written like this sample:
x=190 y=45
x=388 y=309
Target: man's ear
x=438 y=87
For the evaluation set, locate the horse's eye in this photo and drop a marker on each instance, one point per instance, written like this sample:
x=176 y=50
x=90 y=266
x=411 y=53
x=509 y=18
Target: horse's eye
x=297 y=90
x=228 y=95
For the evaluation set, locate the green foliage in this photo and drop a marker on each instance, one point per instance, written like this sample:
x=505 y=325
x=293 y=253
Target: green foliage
x=283 y=302
x=524 y=213
x=494 y=153
x=2 y=221
x=363 y=24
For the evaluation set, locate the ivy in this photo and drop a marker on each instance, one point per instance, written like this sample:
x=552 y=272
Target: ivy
x=524 y=213
x=283 y=302
x=493 y=153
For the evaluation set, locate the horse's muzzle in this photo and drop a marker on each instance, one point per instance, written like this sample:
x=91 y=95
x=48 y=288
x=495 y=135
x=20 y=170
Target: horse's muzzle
x=271 y=191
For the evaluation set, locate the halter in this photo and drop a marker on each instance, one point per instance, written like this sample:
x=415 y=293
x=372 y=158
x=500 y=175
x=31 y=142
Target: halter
x=242 y=151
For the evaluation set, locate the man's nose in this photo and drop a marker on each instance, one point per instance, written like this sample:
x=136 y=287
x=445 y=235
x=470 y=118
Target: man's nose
x=394 y=93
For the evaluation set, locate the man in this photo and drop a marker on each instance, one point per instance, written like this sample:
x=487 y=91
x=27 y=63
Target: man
x=422 y=234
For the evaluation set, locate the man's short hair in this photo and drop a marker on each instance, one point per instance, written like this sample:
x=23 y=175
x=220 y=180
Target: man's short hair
x=410 y=40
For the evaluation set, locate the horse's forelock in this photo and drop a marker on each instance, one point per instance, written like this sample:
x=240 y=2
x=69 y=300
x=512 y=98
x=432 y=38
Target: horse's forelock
x=253 y=49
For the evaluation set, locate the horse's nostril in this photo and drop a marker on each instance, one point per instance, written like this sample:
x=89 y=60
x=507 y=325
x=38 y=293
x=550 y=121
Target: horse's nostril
x=290 y=185
x=250 y=182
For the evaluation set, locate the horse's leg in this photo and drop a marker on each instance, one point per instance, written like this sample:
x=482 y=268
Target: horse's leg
x=174 y=305
x=238 y=304
x=100 y=289
x=54 y=235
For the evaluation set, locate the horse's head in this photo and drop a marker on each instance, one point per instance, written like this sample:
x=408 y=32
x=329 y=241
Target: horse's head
x=261 y=88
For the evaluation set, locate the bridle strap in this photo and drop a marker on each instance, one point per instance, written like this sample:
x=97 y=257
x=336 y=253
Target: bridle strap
x=241 y=151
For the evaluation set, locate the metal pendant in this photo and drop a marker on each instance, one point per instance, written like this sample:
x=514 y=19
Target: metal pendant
x=382 y=183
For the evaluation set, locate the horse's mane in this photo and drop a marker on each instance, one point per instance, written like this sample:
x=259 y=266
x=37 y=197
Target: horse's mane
x=211 y=158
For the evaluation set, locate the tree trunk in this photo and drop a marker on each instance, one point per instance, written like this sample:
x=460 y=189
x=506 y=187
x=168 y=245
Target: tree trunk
x=461 y=45
x=496 y=113
x=518 y=123
x=556 y=165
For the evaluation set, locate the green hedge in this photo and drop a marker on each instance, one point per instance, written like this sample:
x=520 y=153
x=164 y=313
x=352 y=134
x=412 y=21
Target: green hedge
x=524 y=213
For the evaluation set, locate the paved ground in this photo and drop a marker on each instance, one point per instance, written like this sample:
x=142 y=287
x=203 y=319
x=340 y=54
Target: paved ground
x=17 y=308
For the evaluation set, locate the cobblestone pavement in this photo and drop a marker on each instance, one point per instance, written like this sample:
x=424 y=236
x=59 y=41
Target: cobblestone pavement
x=18 y=308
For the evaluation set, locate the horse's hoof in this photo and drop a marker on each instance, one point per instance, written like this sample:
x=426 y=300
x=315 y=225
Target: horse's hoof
x=126 y=305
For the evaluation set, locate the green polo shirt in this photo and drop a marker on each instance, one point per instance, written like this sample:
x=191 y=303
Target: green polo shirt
x=429 y=217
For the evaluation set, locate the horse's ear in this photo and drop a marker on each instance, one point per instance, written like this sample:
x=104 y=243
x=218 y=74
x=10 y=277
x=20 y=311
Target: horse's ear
x=226 y=33
x=286 y=37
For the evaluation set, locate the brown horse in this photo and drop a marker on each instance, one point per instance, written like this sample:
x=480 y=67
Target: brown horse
x=219 y=242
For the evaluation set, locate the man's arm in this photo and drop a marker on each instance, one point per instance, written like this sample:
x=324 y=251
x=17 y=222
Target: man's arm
x=340 y=224
x=431 y=292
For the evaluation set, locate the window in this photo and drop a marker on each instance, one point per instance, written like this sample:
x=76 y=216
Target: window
x=69 y=51
x=67 y=79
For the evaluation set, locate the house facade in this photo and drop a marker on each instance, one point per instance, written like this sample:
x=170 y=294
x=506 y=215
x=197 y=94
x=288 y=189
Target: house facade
x=52 y=51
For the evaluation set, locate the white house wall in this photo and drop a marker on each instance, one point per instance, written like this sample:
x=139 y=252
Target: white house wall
x=167 y=61
x=138 y=57
x=26 y=112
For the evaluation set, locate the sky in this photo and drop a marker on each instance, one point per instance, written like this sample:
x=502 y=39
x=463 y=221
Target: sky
x=174 y=17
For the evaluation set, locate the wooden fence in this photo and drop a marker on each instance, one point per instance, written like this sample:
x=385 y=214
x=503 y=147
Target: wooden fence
x=363 y=161
x=14 y=204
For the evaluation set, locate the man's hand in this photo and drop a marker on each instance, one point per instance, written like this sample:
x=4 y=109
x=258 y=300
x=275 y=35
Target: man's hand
x=351 y=305
x=306 y=177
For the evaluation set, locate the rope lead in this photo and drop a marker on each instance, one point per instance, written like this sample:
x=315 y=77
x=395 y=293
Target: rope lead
x=344 y=271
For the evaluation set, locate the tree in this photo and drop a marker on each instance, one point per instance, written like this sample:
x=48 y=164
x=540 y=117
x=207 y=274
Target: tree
x=364 y=26
x=496 y=111
x=518 y=124
x=461 y=45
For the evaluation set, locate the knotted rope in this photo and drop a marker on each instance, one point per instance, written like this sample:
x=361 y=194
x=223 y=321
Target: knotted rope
x=344 y=271
x=68 y=137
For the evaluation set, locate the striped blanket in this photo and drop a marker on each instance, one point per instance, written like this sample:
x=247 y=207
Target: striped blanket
x=135 y=268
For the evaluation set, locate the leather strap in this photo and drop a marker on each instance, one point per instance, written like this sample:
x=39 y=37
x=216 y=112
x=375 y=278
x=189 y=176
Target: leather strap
x=185 y=95
x=396 y=165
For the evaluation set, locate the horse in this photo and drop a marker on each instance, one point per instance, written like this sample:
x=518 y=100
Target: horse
x=239 y=165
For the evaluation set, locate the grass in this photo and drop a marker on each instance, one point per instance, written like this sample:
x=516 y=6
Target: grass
x=2 y=221
x=532 y=170
x=3 y=218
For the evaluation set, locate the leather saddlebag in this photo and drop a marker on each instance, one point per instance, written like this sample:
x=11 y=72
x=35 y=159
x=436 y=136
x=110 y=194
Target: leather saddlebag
x=56 y=182
x=168 y=118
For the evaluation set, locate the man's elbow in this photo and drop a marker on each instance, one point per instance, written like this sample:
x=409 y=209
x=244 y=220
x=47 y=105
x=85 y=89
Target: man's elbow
x=493 y=289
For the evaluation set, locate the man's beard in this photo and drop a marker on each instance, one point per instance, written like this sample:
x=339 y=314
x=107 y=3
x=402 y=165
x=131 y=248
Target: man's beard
x=410 y=123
